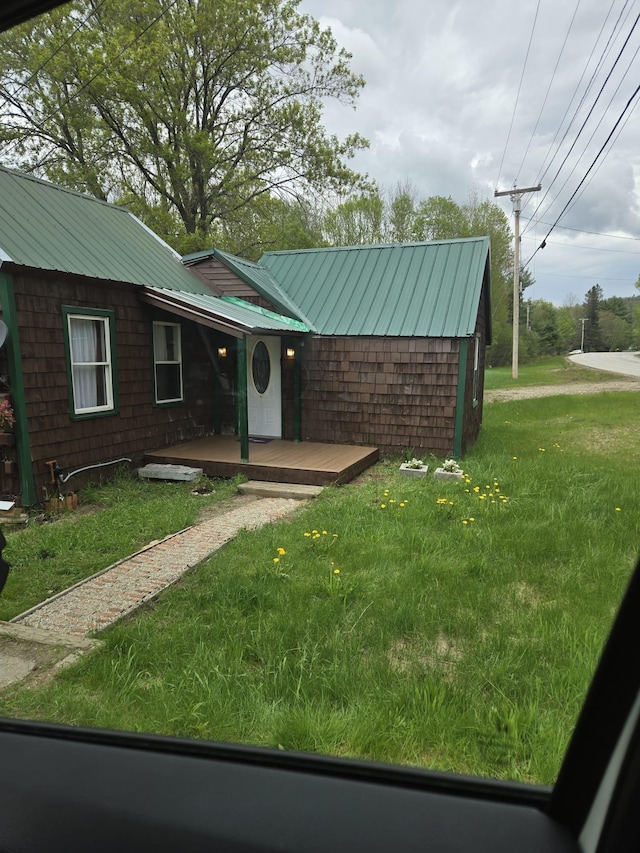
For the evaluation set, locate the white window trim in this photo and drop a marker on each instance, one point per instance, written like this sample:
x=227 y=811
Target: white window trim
x=476 y=370
x=157 y=362
x=107 y=364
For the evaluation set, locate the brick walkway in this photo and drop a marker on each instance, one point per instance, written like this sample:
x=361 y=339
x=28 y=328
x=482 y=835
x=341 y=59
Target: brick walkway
x=96 y=602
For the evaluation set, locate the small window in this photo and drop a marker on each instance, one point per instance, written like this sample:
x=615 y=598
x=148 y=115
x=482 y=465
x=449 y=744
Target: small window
x=261 y=367
x=167 y=359
x=476 y=371
x=89 y=338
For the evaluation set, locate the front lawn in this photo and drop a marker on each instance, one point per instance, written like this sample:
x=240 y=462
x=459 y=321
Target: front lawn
x=448 y=625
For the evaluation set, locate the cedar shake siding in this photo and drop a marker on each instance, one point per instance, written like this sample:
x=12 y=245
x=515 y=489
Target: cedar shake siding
x=396 y=394
x=139 y=424
x=223 y=282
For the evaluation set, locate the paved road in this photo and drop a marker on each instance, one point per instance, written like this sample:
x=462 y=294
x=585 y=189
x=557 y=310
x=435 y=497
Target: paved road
x=627 y=363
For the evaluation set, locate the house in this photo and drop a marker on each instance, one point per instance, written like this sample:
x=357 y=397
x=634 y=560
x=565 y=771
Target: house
x=395 y=350
x=115 y=348
x=110 y=341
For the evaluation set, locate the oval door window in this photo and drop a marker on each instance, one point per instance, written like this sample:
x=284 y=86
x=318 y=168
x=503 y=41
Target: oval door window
x=261 y=367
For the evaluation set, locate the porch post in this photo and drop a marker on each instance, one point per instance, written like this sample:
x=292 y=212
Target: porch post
x=16 y=387
x=297 y=393
x=241 y=400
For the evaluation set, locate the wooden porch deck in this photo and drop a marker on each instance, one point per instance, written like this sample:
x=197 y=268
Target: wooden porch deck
x=275 y=461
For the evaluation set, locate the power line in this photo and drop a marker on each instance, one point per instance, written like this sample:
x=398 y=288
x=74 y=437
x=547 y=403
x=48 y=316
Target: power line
x=41 y=67
x=590 y=248
x=589 y=114
x=515 y=106
x=105 y=66
x=553 y=76
x=582 y=231
x=588 y=88
x=593 y=163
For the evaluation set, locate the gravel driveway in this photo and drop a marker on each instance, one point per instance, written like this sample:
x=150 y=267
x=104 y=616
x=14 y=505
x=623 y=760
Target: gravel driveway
x=502 y=395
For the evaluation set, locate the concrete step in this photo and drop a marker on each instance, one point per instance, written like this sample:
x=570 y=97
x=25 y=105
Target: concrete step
x=264 y=489
x=159 y=471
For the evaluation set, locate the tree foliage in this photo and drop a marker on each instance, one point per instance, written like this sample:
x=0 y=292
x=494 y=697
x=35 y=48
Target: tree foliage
x=187 y=110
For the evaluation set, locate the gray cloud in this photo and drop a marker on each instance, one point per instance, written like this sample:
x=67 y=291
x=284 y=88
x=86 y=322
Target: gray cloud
x=442 y=81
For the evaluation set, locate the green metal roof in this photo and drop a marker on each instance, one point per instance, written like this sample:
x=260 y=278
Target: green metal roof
x=406 y=289
x=51 y=228
x=235 y=314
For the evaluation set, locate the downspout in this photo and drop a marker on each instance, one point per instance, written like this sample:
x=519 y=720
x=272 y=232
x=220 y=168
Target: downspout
x=241 y=402
x=462 y=381
x=18 y=398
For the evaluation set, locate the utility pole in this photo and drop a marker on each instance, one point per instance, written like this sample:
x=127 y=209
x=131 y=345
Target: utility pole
x=583 y=320
x=516 y=198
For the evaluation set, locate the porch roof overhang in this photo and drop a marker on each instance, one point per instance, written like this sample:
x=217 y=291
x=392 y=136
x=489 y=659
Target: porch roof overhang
x=232 y=316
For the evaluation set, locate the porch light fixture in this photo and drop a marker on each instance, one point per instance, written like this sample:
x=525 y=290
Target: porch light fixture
x=290 y=352
x=222 y=352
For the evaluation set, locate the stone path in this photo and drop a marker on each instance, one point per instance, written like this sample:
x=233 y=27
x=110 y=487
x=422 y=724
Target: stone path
x=107 y=596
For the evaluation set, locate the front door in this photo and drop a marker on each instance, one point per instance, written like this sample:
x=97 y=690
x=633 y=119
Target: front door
x=264 y=387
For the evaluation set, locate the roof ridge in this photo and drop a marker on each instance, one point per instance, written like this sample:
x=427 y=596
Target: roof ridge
x=18 y=175
x=368 y=246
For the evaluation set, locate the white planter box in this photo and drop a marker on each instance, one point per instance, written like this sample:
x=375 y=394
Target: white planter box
x=441 y=474
x=413 y=472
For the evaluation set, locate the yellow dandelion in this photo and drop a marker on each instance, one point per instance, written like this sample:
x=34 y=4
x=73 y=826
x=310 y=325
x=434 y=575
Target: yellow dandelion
x=335 y=535
x=514 y=457
x=618 y=509
x=336 y=571
x=307 y=534
x=324 y=532
x=482 y=497
x=471 y=518
x=451 y=503
x=281 y=551
x=276 y=559
x=401 y=503
x=383 y=506
x=314 y=531
x=476 y=489
x=464 y=521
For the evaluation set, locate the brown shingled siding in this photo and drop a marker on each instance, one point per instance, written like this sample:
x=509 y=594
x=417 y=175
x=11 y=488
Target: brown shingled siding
x=396 y=394
x=223 y=282
x=139 y=425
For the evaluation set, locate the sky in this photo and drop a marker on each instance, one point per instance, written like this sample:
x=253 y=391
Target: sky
x=469 y=97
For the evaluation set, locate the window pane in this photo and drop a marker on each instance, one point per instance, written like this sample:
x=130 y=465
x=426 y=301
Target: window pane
x=164 y=343
x=168 y=382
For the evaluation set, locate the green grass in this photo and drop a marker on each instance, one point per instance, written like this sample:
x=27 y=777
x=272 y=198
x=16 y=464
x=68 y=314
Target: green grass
x=114 y=520
x=555 y=370
x=402 y=633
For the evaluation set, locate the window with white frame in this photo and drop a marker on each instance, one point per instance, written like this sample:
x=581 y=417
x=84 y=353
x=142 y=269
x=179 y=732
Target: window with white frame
x=90 y=354
x=167 y=361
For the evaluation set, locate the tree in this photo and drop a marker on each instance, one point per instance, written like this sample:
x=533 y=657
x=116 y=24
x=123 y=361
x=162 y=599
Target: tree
x=188 y=111
x=402 y=214
x=440 y=218
x=593 y=298
x=356 y=221
x=544 y=322
x=615 y=333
